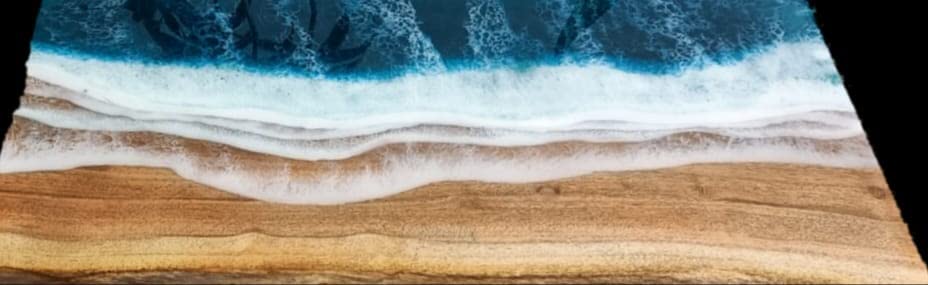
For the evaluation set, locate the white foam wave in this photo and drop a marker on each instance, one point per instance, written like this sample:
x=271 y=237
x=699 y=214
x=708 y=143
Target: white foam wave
x=311 y=147
x=843 y=123
x=409 y=168
x=788 y=79
x=775 y=106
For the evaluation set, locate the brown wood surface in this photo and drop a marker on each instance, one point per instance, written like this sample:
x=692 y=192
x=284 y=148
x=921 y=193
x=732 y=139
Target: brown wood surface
x=699 y=223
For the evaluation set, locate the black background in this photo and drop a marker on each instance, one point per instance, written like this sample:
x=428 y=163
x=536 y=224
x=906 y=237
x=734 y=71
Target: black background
x=877 y=50
x=875 y=47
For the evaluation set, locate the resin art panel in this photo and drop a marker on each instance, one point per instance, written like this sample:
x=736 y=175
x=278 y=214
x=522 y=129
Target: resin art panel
x=441 y=141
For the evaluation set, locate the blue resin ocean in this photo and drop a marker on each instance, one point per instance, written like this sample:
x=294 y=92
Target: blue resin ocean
x=323 y=81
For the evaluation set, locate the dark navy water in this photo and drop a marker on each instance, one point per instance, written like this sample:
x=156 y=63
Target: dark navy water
x=355 y=37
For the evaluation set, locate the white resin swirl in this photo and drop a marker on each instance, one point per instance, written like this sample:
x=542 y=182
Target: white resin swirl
x=774 y=106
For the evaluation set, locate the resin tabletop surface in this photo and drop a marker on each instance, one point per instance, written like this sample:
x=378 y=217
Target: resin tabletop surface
x=459 y=141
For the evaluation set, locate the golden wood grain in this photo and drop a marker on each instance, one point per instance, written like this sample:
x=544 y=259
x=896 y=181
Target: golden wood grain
x=712 y=222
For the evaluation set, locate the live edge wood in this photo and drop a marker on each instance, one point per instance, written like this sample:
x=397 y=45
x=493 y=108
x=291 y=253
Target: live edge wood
x=698 y=223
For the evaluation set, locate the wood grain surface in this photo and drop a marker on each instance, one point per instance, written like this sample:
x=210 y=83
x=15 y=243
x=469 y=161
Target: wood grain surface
x=698 y=223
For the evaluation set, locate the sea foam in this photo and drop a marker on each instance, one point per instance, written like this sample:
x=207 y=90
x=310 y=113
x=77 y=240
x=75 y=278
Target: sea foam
x=786 y=79
x=779 y=105
x=310 y=146
x=408 y=166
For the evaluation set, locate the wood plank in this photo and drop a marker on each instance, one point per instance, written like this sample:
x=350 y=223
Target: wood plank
x=699 y=223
